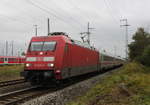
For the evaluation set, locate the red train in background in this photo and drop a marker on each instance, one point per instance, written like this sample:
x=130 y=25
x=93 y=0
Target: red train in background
x=11 y=60
x=58 y=57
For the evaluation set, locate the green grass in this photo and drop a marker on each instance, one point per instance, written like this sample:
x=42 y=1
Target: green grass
x=128 y=86
x=10 y=72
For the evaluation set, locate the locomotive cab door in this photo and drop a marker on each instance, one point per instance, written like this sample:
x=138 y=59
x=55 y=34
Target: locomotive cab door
x=67 y=60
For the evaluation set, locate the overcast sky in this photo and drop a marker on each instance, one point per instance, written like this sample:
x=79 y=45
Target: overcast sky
x=18 y=17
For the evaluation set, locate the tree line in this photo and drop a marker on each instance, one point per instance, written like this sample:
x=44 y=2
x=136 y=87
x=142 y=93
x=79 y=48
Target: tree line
x=139 y=49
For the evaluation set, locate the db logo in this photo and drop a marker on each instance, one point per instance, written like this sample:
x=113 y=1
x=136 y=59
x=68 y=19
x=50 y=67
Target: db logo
x=39 y=58
x=39 y=65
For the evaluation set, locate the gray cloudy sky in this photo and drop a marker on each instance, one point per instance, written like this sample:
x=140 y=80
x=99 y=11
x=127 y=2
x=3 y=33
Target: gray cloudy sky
x=18 y=17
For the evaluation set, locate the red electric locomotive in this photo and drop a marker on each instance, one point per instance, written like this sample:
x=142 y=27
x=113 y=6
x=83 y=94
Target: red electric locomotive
x=57 y=57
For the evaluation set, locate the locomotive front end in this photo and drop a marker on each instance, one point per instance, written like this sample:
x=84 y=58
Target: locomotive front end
x=40 y=61
x=39 y=68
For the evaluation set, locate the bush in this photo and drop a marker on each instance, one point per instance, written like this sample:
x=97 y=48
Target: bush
x=145 y=58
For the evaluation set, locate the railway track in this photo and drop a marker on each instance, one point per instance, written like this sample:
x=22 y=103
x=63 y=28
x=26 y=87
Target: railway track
x=16 y=97
x=20 y=96
x=12 y=82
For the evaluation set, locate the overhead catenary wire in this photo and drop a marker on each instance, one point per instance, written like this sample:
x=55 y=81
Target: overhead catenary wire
x=24 y=11
x=110 y=12
x=15 y=19
x=51 y=13
x=84 y=14
x=120 y=15
x=79 y=10
x=63 y=13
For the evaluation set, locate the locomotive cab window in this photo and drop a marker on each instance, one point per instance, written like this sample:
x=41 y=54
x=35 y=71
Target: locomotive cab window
x=36 y=46
x=49 y=46
x=43 y=46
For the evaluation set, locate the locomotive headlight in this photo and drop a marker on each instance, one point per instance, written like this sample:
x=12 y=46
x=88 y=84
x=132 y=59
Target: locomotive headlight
x=41 y=53
x=27 y=65
x=51 y=65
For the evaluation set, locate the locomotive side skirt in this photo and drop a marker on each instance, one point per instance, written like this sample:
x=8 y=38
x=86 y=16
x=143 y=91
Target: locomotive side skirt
x=70 y=72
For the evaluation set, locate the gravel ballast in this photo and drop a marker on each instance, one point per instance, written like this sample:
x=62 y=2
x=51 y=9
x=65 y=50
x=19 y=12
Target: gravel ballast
x=67 y=94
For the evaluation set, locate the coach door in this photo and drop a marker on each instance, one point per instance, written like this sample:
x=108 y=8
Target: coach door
x=5 y=60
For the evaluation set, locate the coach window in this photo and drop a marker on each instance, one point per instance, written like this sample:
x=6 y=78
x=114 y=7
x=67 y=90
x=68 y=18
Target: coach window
x=9 y=59
x=1 y=59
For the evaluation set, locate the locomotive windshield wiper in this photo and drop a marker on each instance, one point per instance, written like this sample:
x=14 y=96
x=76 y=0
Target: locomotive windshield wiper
x=42 y=46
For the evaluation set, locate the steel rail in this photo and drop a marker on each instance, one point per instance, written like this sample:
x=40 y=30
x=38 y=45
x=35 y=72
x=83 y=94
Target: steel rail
x=16 y=96
x=12 y=82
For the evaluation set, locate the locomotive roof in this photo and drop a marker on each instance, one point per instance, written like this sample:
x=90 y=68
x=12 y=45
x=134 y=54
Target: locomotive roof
x=64 y=37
